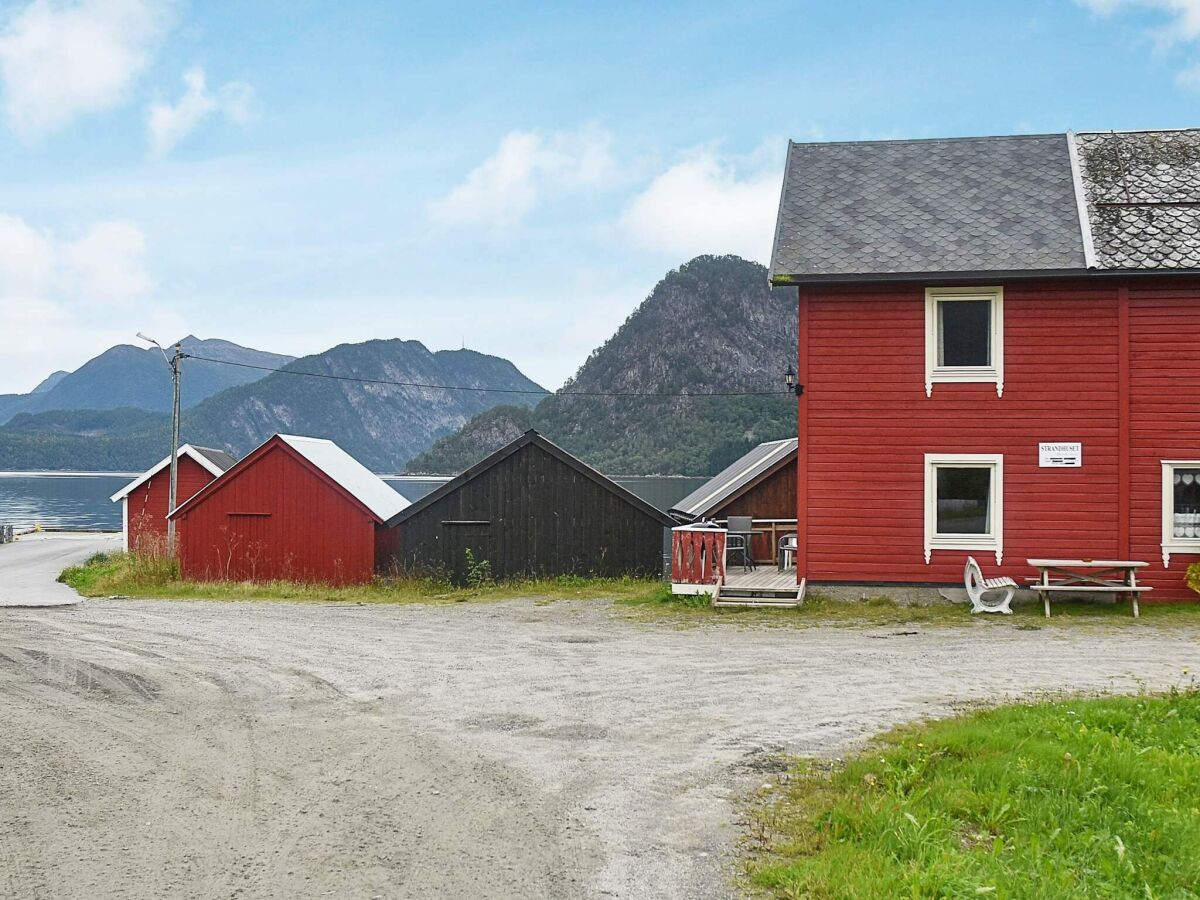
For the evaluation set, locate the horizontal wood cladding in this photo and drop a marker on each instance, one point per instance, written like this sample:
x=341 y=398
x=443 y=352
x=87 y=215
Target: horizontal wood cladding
x=531 y=515
x=276 y=517
x=1164 y=375
x=150 y=503
x=870 y=425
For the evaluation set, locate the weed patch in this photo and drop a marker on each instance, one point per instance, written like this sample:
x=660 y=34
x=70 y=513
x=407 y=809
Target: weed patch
x=1067 y=798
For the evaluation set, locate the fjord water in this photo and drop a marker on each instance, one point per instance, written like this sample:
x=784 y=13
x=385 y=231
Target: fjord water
x=61 y=500
x=80 y=500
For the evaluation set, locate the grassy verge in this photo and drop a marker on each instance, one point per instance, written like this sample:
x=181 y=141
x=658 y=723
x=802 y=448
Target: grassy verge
x=135 y=575
x=1075 y=798
x=884 y=611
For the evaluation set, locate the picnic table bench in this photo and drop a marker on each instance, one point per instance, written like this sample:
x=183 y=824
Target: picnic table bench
x=1075 y=576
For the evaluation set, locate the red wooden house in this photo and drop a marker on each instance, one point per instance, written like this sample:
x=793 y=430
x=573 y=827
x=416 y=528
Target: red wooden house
x=296 y=509
x=1000 y=354
x=144 y=501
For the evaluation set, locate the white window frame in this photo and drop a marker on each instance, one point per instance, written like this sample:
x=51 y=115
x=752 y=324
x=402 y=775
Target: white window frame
x=993 y=542
x=991 y=374
x=1170 y=543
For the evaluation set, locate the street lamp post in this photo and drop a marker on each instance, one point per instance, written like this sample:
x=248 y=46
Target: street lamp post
x=174 y=360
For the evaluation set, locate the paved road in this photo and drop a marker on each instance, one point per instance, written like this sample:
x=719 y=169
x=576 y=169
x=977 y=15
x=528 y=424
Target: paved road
x=515 y=749
x=30 y=565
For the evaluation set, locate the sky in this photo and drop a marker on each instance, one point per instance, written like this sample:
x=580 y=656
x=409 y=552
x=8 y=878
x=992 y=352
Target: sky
x=514 y=178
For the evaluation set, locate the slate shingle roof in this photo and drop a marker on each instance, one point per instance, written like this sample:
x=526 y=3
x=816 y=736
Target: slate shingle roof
x=1142 y=191
x=973 y=206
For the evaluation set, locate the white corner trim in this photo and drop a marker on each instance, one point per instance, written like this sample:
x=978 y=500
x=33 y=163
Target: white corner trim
x=1171 y=544
x=993 y=374
x=994 y=541
x=1085 y=222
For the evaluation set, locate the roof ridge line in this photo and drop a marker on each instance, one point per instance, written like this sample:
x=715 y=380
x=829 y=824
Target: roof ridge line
x=931 y=140
x=1081 y=207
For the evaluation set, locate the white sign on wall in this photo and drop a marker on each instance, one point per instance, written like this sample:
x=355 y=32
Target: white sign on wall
x=1063 y=455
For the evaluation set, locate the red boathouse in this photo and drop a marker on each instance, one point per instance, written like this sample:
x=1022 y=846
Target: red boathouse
x=296 y=509
x=144 y=501
x=999 y=348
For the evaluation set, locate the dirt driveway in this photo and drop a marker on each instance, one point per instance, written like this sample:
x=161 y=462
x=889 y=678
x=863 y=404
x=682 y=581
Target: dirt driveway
x=154 y=749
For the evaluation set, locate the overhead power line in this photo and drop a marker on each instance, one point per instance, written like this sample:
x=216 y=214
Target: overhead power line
x=487 y=390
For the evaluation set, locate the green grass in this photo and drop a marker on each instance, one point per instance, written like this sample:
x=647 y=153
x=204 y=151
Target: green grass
x=139 y=575
x=818 y=610
x=1067 y=798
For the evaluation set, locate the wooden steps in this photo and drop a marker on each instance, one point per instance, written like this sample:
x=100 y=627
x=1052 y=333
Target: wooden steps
x=759 y=592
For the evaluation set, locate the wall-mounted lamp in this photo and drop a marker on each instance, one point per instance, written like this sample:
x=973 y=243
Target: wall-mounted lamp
x=793 y=385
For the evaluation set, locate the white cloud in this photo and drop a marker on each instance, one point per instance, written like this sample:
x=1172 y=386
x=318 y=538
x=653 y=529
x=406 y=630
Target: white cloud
x=527 y=168
x=168 y=124
x=703 y=205
x=1181 y=26
x=60 y=60
x=63 y=301
x=1183 y=16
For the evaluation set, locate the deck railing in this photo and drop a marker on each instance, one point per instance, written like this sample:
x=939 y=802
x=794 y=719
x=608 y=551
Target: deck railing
x=697 y=558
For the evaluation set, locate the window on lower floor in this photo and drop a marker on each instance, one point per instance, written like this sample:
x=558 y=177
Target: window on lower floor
x=963 y=502
x=1180 y=508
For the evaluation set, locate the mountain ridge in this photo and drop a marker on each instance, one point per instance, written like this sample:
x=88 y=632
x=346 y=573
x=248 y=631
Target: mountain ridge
x=382 y=424
x=712 y=326
x=138 y=377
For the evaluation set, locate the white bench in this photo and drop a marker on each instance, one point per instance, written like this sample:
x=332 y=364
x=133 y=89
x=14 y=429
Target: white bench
x=977 y=586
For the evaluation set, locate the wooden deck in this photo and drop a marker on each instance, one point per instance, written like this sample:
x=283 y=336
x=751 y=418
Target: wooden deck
x=765 y=577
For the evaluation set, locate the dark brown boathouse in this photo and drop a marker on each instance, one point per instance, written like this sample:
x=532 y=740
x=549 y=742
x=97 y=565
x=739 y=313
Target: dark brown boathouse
x=530 y=509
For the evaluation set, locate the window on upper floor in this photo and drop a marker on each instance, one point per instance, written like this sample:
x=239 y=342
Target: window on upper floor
x=964 y=336
x=1180 y=508
x=964 y=502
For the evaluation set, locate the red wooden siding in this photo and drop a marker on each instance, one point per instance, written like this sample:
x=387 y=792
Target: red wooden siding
x=276 y=516
x=1164 y=364
x=866 y=424
x=147 y=509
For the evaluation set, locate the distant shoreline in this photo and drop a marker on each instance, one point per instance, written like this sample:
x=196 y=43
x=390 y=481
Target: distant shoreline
x=50 y=473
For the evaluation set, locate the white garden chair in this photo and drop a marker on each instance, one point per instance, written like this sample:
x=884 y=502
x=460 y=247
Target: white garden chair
x=977 y=586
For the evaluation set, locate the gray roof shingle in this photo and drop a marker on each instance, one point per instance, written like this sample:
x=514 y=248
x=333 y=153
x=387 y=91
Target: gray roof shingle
x=1142 y=191
x=956 y=205
x=973 y=206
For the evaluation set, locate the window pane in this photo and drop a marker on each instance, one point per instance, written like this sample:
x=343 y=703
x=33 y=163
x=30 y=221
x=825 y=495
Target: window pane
x=962 y=500
x=1186 y=518
x=964 y=332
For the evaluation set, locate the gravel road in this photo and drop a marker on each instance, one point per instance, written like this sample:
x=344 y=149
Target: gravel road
x=514 y=749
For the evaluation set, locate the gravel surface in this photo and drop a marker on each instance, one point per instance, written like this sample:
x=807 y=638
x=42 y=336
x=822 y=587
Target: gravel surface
x=510 y=749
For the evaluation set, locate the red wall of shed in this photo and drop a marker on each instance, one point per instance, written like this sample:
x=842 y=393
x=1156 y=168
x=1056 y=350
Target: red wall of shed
x=147 y=505
x=275 y=517
x=866 y=424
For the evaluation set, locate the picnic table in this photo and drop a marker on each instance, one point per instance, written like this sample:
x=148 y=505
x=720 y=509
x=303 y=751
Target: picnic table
x=1111 y=576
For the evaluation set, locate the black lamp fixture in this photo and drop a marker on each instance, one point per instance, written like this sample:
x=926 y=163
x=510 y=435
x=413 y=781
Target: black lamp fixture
x=793 y=385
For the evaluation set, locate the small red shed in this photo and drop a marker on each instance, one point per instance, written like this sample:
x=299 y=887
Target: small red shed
x=144 y=505
x=296 y=509
x=997 y=347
